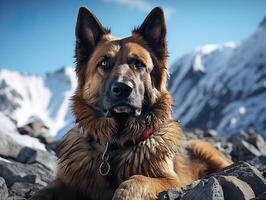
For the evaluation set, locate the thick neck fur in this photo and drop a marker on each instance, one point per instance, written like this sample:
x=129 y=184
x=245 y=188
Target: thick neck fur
x=79 y=162
x=106 y=129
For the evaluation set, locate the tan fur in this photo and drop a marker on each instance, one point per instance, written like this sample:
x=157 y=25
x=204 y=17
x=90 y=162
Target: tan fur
x=145 y=168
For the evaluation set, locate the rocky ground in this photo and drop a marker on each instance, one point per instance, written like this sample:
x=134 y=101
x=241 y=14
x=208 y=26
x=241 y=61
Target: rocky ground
x=27 y=159
x=243 y=180
x=28 y=163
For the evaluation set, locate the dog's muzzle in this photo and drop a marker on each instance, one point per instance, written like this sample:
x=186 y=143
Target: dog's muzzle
x=121 y=99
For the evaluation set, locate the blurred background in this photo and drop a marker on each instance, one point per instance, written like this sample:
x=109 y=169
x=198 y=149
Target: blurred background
x=217 y=79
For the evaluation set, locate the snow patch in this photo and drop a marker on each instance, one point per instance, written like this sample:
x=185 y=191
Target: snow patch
x=198 y=66
x=242 y=110
x=46 y=97
x=5 y=160
x=208 y=48
x=6 y=124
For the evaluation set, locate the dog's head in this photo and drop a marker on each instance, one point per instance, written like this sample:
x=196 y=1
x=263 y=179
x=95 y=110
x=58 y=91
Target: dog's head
x=120 y=78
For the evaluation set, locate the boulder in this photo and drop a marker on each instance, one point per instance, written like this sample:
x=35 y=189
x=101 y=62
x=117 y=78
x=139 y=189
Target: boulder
x=12 y=143
x=37 y=129
x=14 y=172
x=9 y=148
x=238 y=181
x=210 y=133
x=23 y=140
x=259 y=163
x=29 y=156
x=53 y=147
x=207 y=189
x=246 y=173
x=247 y=145
x=234 y=188
x=23 y=189
x=3 y=189
x=177 y=193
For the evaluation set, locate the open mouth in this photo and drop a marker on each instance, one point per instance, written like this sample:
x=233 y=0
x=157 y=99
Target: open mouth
x=122 y=109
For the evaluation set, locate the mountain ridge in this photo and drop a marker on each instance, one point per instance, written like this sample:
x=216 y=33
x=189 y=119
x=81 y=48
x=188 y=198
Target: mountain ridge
x=218 y=89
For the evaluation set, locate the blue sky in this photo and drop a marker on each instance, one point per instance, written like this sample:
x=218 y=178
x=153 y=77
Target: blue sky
x=38 y=36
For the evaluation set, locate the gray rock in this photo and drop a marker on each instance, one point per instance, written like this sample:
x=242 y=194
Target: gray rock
x=207 y=189
x=176 y=193
x=244 y=145
x=3 y=189
x=23 y=189
x=53 y=147
x=260 y=163
x=247 y=145
x=234 y=188
x=8 y=146
x=258 y=141
x=14 y=172
x=12 y=149
x=210 y=133
x=238 y=181
x=260 y=197
x=29 y=156
x=37 y=129
x=246 y=173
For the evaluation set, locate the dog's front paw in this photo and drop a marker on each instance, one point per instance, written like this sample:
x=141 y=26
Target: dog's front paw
x=134 y=189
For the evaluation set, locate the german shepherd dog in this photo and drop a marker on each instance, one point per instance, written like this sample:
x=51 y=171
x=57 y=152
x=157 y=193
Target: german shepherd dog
x=126 y=145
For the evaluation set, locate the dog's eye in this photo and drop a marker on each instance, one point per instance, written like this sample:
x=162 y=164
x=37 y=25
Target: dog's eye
x=104 y=64
x=137 y=64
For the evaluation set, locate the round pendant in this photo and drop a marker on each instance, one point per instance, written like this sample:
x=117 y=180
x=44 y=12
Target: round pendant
x=104 y=168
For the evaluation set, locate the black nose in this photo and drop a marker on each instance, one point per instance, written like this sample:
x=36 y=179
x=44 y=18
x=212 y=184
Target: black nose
x=121 y=89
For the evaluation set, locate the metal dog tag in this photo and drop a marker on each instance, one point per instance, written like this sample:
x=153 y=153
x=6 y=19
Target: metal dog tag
x=104 y=168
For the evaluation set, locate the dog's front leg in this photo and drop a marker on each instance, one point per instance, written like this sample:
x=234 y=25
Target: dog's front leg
x=142 y=187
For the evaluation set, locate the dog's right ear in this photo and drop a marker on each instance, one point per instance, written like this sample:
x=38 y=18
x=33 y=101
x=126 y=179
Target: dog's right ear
x=89 y=31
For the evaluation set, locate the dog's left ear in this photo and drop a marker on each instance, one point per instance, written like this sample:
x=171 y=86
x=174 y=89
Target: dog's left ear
x=153 y=30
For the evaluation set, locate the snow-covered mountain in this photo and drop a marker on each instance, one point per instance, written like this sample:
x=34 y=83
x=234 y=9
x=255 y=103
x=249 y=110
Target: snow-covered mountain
x=25 y=97
x=223 y=86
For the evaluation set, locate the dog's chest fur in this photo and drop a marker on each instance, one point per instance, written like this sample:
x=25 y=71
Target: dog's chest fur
x=82 y=159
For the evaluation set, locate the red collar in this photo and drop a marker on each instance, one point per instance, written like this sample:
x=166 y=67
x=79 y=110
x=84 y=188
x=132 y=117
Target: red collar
x=145 y=135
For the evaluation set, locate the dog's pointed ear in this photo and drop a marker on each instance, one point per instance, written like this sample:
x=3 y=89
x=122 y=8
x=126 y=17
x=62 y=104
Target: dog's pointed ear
x=89 y=31
x=153 y=30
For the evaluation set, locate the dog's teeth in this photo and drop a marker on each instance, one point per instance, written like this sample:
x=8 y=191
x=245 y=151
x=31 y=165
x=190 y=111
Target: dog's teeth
x=122 y=109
